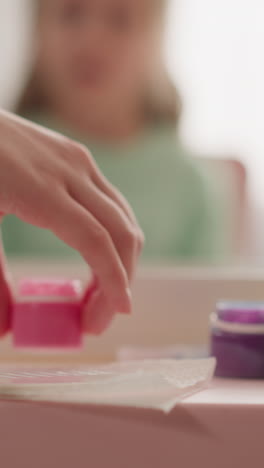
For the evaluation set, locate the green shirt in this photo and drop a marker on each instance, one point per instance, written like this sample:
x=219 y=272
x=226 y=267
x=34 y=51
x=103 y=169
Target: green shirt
x=171 y=197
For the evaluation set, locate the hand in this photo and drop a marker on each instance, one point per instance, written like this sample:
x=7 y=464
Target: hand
x=52 y=182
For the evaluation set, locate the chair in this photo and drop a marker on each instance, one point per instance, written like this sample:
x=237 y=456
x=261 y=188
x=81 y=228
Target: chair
x=232 y=179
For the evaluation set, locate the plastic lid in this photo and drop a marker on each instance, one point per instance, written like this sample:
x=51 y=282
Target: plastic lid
x=239 y=317
x=48 y=288
x=241 y=312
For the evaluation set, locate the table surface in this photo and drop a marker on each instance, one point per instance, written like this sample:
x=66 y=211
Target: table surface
x=231 y=392
x=221 y=426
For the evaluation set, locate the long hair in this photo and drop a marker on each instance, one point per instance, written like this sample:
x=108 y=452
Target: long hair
x=162 y=102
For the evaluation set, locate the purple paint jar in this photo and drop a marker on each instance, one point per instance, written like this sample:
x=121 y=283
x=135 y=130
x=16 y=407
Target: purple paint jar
x=237 y=339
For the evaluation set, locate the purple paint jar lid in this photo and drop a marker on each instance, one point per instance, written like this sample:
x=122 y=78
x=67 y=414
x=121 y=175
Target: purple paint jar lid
x=237 y=339
x=241 y=312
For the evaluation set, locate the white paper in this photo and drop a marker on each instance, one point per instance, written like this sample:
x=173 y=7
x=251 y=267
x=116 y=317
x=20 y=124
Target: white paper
x=156 y=384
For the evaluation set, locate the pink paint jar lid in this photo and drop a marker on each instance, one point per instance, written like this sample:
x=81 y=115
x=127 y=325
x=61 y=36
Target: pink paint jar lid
x=47 y=314
x=49 y=289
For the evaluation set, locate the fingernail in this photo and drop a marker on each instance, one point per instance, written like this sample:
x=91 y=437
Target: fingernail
x=124 y=304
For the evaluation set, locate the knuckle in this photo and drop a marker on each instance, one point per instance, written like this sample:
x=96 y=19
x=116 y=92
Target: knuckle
x=79 y=153
x=100 y=237
x=82 y=154
x=129 y=238
x=66 y=148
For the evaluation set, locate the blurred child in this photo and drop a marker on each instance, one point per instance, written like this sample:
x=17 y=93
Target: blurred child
x=99 y=77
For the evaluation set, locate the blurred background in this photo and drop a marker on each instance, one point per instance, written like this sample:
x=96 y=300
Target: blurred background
x=213 y=51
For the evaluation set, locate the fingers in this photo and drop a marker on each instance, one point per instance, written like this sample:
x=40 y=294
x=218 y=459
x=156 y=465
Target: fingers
x=113 y=219
x=92 y=287
x=79 y=229
x=107 y=188
x=98 y=314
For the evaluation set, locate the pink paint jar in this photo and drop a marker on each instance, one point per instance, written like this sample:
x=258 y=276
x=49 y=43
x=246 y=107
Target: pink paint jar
x=47 y=314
